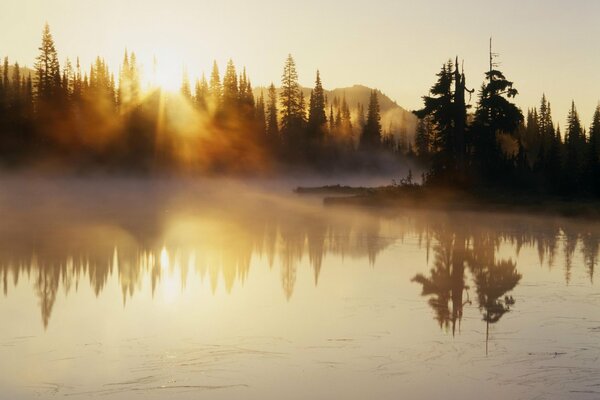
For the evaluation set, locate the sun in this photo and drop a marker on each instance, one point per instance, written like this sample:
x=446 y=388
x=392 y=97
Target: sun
x=166 y=73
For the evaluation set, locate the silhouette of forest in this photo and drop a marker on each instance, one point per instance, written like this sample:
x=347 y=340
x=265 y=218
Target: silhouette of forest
x=61 y=255
x=62 y=115
x=67 y=115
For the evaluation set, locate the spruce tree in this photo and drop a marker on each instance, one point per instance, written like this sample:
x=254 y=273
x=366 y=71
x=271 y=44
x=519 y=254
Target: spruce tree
x=316 y=109
x=186 y=90
x=371 y=134
x=230 y=87
x=201 y=93
x=47 y=68
x=439 y=107
x=422 y=139
x=593 y=154
x=272 y=124
x=260 y=114
x=574 y=146
x=215 y=90
x=290 y=98
x=495 y=114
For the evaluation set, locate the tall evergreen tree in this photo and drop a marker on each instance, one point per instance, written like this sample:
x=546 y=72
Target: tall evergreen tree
x=186 y=90
x=230 y=87
x=316 y=109
x=260 y=114
x=593 y=154
x=201 y=93
x=290 y=98
x=272 y=124
x=574 y=147
x=215 y=90
x=371 y=134
x=47 y=68
x=439 y=107
x=495 y=114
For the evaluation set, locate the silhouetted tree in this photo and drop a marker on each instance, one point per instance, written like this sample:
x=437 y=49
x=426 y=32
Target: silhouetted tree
x=575 y=150
x=495 y=115
x=317 y=119
x=371 y=134
x=47 y=68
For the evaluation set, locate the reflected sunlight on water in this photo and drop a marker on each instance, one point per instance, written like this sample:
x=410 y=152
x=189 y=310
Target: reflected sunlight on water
x=226 y=291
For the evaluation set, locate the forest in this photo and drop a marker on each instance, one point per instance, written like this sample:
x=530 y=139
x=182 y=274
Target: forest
x=66 y=116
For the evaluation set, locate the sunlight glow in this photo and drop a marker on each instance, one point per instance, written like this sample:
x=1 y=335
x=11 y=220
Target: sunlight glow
x=165 y=73
x=164 y=259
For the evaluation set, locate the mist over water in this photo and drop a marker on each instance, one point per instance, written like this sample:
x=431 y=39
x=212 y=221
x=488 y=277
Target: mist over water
x=218 y=288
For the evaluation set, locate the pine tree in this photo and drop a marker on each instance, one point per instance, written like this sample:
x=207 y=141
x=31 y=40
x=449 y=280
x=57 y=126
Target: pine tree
x=331 y=120
x=574 y=146
x=77 y=83
x=371 y=134
x=361 y=116
x=230 y=87
x=272 y=124
x=346 y=119
x=5 y=79
x=68 y=81
x=422 y=138
x=215 y=90
x=260 y=114
x=290 y=98
x=202 y=93
x=47 y=68
x=495 y=114
x=186 y=90
x=16 y=85
x=593 y=154
x=316 y=109
x=439 y=107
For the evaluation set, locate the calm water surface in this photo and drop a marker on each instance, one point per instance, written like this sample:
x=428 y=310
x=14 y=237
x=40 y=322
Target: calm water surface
x=125 y=289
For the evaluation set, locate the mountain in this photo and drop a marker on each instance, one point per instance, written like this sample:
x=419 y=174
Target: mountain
x=394 y=118
x=24 y=71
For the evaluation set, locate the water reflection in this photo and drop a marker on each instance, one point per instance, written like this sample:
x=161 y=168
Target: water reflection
x=62 y=248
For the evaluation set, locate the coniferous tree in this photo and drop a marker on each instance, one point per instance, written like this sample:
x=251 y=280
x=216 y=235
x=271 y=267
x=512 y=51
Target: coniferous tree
x=422 y=139
x=5 y=78
x=593 y=154
x=290 y=98
x=230 y=88
x=186 y=90
x=272 y=124
x=544 y=123
x=439 y=107
x=47 y=68
x=360 y=110
x=574 y=147
x=215 y=90
x=495 y=115
x=371 y=134
x=260 y=114
x=202 y=93
x=316 y=110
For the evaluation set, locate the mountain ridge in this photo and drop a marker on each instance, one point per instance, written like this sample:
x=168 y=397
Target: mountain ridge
x=394 y=118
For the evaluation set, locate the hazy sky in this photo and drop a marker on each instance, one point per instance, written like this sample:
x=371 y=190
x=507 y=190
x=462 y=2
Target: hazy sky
x=395 y=45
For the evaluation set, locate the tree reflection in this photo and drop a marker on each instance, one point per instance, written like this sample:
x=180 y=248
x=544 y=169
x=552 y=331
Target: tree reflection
x=477 y=248
x=221 y=246
x=446 y=284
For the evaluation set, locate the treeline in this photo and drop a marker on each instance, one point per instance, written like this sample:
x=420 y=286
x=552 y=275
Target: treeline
x=94 y=118
x=495 y=146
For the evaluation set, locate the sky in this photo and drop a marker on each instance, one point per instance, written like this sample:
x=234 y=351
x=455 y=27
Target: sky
x=397 y=46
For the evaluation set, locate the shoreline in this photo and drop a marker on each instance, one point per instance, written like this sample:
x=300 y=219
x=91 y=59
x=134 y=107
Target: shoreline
x=417 y=197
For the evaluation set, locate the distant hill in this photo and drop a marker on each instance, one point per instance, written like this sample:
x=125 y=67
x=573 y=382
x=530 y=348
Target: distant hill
x=25 y=71
x=392 y=115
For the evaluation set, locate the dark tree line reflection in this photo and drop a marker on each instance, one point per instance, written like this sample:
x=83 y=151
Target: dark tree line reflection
x=59 y=252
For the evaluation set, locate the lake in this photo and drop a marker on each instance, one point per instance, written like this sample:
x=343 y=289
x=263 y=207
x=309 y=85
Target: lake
x=134 y=288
